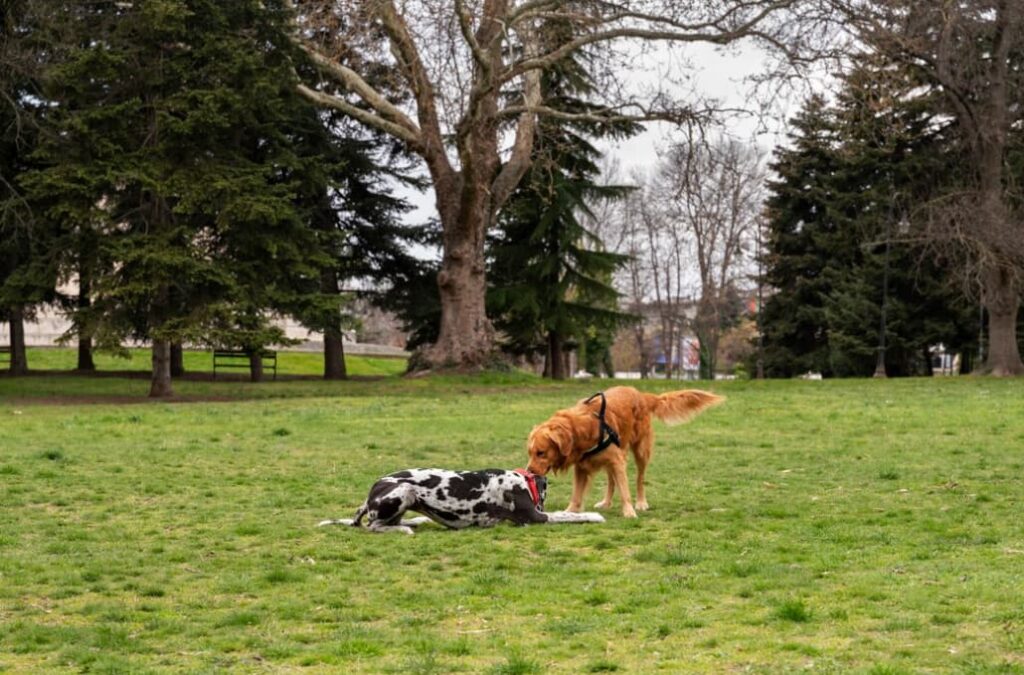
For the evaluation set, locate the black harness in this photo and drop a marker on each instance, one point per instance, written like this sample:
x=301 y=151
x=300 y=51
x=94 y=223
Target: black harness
x=607 y=435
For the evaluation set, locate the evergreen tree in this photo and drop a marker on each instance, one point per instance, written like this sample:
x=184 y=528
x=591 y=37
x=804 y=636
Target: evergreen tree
x=346 y=192
x=838 y=249
x=168 y=144
x=895 y=156
x=798 y=245
x=26 y=279
x=550 y=277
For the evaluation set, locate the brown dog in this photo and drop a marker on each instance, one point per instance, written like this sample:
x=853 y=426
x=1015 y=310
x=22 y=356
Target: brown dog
x=575 y=437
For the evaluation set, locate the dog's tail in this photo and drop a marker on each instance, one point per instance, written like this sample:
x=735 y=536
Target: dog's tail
x=674 y=407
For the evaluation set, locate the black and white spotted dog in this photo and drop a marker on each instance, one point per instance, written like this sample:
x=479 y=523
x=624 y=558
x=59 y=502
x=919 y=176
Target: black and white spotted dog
x=458 y=499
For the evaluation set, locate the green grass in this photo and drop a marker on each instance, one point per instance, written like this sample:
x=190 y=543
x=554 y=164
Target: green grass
x=288 y=363
x=862 y=526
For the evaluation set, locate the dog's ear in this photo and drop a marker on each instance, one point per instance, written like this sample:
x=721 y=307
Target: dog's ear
x=561 y=434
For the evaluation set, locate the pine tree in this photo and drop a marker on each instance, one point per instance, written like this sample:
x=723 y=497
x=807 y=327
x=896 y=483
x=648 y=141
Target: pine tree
x=27 y=279
x=798 y=245
x=895 y=154
x=169 y=144
x=550 y=277
x=345 y=190
x=839 y=253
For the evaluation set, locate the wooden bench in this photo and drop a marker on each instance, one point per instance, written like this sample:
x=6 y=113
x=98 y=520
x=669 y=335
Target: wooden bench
x=5 y=355
x=239 y=358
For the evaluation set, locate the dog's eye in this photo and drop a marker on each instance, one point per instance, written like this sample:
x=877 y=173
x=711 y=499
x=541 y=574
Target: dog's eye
x=541 y=453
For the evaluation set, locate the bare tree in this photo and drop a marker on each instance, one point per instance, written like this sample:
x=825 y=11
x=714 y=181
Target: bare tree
x=619 y=224
x=668 y=260
x=466 y=97
x=970 y=52
x=712 y=195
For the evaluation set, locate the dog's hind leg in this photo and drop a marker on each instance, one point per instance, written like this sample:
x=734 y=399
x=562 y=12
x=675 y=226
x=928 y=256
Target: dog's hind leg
x=354 y=522
x=386 y=516
x=622 y=482
x=416 y=522
x=642 y=450
x=380 y=528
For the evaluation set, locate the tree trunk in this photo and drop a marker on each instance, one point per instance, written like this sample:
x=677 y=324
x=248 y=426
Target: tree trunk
x=334 y=348
x=641 y=346
x=668 y=339
x=466 y=338
x=609 y=364
x=1002 y=303
x=255 y=366
x=85 y=360
x=19 y=356
x=334 y=356
x=556 y=356
x=160 y=385
x=86 y=364
x=177 y=360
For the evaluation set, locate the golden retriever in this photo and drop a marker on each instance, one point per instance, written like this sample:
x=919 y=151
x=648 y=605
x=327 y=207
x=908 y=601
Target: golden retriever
x=565 y=439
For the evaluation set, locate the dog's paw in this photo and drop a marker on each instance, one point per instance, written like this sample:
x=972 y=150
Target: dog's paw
x=628 y=513
x=642 y=506
x=602 y=505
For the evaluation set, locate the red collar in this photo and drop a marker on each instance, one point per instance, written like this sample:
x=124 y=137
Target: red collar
x=530 y=483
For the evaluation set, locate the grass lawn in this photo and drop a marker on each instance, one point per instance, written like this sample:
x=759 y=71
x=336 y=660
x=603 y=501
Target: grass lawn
x=288 y=363
x=857 y=526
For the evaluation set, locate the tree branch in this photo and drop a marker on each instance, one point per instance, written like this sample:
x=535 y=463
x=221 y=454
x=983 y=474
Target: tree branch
x=365 y=116
x=352 y=81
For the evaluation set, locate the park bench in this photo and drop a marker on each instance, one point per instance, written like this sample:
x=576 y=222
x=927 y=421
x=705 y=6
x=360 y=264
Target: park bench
x=239 y=358
x=5 y=354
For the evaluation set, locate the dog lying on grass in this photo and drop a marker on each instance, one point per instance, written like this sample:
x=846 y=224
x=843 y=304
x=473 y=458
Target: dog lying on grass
x=458 y=499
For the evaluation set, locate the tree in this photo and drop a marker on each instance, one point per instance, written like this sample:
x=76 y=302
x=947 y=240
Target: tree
x=26 y=277
x=969 y=53
x=798 y=245
x=890 y=303
x=472 y=74
x=349 y=203
x=855 y=293
x=550 y=274
x=166 y=140
x=713 y=197
x=620 y=225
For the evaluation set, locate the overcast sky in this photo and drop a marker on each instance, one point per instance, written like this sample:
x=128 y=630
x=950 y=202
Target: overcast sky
x=716 y=73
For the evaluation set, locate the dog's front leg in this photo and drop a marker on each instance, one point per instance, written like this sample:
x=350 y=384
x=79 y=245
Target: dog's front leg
x=580 y=483
x=608 y=494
